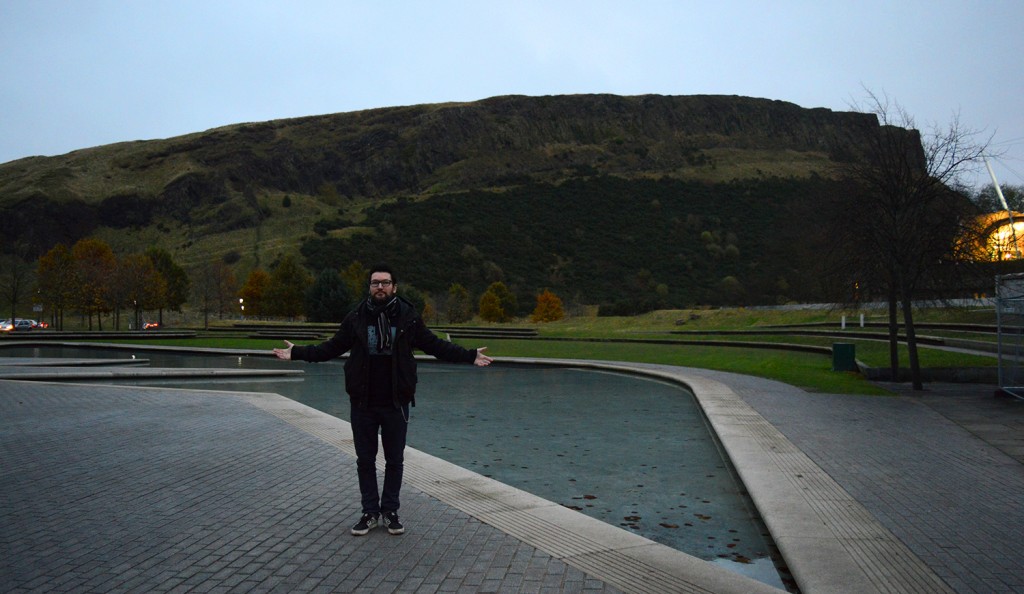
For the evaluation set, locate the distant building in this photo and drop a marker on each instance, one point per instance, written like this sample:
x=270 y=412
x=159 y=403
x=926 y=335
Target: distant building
x=1004 y=240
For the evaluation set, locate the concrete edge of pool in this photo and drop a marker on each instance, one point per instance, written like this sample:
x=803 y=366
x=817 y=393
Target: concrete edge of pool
x=616 y=556
x=829 y=541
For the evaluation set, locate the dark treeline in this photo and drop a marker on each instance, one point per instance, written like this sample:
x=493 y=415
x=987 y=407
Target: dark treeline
x=629 y=245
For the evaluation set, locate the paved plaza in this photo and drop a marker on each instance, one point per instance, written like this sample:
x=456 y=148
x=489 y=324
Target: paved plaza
x=155 y=490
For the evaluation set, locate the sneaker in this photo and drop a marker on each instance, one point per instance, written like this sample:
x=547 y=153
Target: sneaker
x=365 y=524
x=391 y=521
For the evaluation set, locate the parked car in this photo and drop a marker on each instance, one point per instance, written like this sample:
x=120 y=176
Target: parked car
x=18 y=324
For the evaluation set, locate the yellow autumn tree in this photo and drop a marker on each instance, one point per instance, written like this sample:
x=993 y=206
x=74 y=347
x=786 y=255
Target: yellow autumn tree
x=93 y=265
x=252 y=293
x=549 y=308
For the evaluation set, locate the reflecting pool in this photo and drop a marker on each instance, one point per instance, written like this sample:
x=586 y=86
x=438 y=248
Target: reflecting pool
x=630 y=451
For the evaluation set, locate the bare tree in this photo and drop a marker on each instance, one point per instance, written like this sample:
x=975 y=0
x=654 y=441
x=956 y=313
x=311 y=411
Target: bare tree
x=214 y=289
x=903 y=232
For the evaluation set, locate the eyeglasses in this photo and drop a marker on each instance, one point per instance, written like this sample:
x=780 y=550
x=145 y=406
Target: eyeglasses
x=381 y=283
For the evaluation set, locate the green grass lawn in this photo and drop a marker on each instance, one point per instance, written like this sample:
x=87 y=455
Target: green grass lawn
x=806 y=370
x=810 y=371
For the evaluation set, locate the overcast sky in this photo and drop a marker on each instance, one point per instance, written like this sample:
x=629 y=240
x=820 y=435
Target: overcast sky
x=77 y=74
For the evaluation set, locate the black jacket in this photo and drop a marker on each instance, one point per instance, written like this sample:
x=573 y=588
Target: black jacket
x=411 y=334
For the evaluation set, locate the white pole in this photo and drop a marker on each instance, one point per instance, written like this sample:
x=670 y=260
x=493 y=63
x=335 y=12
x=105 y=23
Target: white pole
x=1006 y=207
x=843 y=324
x=999 y=191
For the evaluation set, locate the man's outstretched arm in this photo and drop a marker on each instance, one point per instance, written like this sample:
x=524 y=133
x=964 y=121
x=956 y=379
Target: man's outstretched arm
x=285 y=353
x=482 y=360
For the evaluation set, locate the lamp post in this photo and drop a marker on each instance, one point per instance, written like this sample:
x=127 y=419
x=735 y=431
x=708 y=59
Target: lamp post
x=241 y=304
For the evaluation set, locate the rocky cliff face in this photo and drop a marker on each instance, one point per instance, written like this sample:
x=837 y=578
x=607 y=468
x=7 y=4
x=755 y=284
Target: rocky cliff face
x=505 y=140
x=498 y=142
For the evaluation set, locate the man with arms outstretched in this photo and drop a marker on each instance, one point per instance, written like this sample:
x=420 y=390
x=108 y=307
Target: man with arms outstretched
x=380 y=379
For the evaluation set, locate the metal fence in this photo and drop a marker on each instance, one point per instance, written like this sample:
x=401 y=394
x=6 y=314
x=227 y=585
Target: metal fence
x=1010 y=329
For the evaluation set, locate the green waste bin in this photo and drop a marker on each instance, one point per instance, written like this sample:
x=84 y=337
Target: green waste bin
x=844 y=357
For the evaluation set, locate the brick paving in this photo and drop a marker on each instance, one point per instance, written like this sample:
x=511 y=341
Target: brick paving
x=146 y=490
x=939 y=468
x=142 y=489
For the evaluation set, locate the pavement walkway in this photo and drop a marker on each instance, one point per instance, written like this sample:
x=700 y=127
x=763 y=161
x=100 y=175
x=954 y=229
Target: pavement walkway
x=147 y=489
x=942 y=469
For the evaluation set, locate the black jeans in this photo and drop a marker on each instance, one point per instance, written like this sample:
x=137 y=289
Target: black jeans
x=392 y=424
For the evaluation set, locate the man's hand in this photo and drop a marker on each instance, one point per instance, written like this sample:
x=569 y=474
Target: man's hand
x=286 y=354
x=482 y=360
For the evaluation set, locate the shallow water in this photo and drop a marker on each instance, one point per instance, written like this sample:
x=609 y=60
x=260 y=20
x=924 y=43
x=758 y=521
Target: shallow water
x=627 y=450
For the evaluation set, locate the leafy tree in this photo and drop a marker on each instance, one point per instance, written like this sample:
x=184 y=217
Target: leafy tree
x=549 y=308
x=328 y=298
x=139 y=285
x=286 y=291
x=988 y=201
x=498 y=303
x=55 y=281
x=506 y=299
x=490 y=308
x=94 y=265
x=355 y=276
x=428 y=313
x=176 y=279
x=731 y=290
x=415 y=297
x=460 y=308
x=661 y=290
x=253 y=292
x=15 y=280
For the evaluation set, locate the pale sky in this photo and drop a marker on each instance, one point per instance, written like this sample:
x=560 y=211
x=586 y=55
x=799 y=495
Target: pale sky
x=82 y=73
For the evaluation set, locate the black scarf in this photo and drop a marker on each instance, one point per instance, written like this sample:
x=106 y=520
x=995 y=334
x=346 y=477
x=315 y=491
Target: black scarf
x=384 y=313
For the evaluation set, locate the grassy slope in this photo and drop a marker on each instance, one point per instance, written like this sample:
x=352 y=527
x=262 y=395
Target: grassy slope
x=147 y=168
